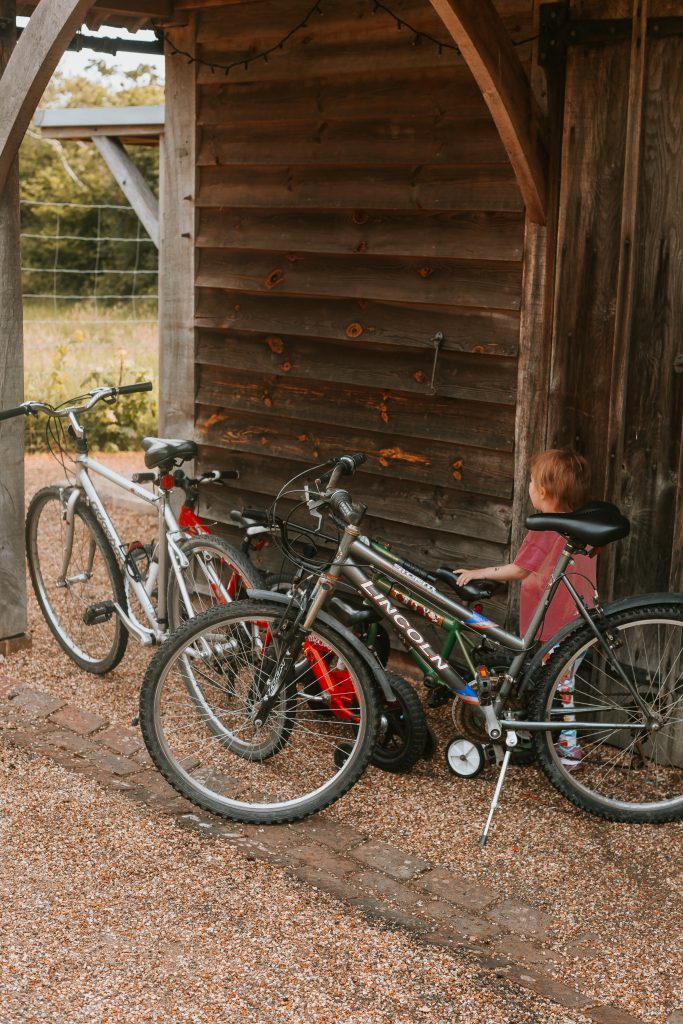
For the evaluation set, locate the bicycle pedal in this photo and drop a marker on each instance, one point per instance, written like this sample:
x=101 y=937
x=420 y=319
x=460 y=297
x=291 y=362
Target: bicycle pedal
x=100 y=611
x=438 y=696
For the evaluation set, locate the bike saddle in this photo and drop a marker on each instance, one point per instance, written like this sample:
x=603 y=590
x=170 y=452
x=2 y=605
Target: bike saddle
x=477 y=590
x=164 y=452
x=596 y=523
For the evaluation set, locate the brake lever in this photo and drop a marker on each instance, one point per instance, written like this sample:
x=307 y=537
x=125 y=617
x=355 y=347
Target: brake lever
x=313 y=506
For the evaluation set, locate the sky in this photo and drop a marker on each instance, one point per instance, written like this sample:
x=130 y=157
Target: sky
x=76 y=63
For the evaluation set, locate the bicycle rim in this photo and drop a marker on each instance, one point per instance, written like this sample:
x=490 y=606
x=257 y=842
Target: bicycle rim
x=216 y=574
x=631 y=768
x=198 y=709
x=94 y=642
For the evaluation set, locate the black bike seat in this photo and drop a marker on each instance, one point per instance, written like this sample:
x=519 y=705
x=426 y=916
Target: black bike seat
x=164 y=451
x=353 y=616
x=595 y=523
x=476 y=590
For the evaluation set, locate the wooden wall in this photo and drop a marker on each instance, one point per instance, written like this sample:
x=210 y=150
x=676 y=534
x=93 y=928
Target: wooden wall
x=352 y=200
x=617 y=378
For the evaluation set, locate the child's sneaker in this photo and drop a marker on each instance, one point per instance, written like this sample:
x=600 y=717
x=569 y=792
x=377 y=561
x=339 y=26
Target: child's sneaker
x=569 y=754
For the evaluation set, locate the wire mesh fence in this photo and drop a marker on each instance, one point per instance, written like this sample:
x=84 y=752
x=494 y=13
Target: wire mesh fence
x=83 y=262
x=90 y=279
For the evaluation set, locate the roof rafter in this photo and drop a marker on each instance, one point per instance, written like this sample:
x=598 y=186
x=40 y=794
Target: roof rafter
x=489 y=53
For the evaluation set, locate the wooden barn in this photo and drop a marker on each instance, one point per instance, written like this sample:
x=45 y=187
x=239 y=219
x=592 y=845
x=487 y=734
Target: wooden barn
x=447 y=233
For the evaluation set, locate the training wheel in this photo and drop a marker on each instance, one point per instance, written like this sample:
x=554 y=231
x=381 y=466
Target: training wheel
x=465 y=758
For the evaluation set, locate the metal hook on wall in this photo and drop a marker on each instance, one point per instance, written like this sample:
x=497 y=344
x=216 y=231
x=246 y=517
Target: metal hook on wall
x=437 y=342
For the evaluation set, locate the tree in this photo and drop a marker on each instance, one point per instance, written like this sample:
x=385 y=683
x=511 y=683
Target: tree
x=73 y=173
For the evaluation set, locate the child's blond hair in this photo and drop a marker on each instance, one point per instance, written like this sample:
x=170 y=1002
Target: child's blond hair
x=564 y=475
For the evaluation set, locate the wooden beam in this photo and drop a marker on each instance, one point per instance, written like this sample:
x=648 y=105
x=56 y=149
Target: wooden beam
x=131 y=182
x=490 y=55
x=29 y=69
x=12 y=569
x=177 y=243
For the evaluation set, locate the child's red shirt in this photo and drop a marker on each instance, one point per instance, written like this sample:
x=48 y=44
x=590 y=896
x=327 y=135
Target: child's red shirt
x=538 y=555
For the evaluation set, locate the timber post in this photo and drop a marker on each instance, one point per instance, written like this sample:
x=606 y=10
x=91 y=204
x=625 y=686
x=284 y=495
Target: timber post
x=12 y=571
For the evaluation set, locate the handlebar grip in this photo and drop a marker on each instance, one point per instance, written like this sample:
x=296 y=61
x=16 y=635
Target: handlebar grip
x=340 y=502
x=130 y=389
x=8 y=414
x=350 y=463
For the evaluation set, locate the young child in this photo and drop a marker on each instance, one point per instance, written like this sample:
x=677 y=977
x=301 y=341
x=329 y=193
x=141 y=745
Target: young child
x=560 y=480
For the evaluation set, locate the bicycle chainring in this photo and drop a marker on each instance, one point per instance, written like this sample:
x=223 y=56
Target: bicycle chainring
x=469 y=721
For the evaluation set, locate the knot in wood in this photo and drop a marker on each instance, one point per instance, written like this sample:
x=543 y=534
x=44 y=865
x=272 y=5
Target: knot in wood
x=360 y=217
x=354 y=330
x=275 y=344
x=274 y=278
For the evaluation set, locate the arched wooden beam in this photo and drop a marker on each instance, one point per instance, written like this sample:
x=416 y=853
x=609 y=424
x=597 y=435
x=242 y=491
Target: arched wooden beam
x=51 y=27
x=490 y=55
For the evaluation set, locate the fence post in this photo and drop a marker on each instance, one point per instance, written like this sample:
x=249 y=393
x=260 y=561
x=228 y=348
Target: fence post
x=12 y=571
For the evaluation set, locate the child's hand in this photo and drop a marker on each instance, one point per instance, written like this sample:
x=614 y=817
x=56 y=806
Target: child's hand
x=466 y=576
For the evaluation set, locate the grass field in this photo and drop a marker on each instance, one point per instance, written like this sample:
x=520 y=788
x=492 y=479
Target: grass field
x=78 y=347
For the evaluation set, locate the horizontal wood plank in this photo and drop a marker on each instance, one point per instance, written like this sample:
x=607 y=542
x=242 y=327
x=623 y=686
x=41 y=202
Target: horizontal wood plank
x=476 y=236
x=481 y=187
x=434 y=140
x=484 y=332
x=465 y=283
x=369 y=408
x=424 y=93
x=491 y=380
x=474 y=470
x=253 y=27
x=435 y=507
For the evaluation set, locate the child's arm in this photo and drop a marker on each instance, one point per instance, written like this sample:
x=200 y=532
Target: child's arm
x=492 y=572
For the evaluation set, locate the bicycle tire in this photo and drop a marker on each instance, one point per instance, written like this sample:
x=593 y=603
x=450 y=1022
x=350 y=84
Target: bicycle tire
x=99 y=646
x=299 y=772
x=615 y=773
x=233 y=569
x=402 y=737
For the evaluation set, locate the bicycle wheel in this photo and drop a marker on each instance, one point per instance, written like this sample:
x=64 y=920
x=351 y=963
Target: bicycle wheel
x=629 y=768
x=198 y=707
x=217 y=574
x=78 y=609
x=402 y=731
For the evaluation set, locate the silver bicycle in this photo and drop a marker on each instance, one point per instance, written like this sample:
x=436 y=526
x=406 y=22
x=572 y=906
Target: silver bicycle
x=96 y=590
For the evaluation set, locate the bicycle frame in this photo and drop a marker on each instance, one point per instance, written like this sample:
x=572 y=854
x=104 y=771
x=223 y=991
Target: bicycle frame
x=455 y=633
x=170 y=557
x=354 y=553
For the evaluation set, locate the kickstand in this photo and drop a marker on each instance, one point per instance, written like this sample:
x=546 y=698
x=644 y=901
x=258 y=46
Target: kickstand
x=510 y=742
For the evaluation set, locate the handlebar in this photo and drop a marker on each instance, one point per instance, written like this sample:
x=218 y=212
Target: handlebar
x=94 y=396
x=19 y=410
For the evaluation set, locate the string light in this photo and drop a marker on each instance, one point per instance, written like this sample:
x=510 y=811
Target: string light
x=378 y=5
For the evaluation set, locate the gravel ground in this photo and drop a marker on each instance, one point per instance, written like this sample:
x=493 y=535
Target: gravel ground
x=112 y=914
x=615 y=886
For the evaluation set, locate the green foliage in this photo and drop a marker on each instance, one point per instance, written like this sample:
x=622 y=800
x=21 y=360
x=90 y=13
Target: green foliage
x=57 y=172
x=109 y=428
x=63 y=360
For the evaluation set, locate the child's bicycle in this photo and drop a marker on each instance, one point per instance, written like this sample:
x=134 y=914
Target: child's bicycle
x=268 y=756
x=95 y=589
x=461 y=647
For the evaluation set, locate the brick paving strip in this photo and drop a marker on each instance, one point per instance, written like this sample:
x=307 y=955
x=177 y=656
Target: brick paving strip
x=385 y=883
